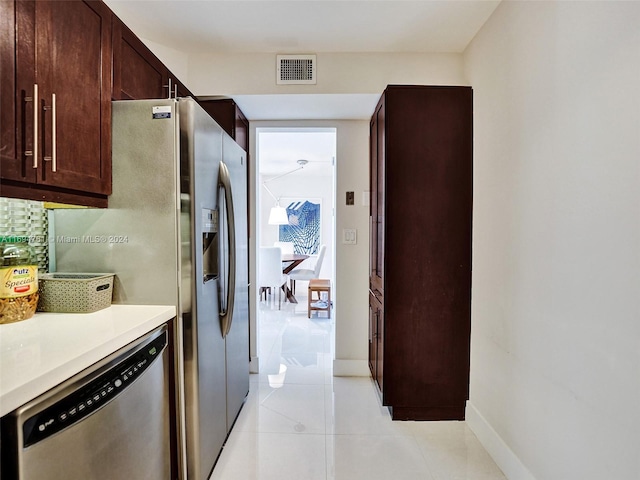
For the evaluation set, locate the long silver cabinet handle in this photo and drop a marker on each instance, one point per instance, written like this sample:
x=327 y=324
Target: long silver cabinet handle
x=52 y=158
x=54 y=134
x=168 y=87
x=35 y=125
x=34 y=151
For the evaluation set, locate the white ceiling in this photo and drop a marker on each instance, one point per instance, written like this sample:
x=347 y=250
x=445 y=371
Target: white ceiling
x=279 y=150
x=306 y=26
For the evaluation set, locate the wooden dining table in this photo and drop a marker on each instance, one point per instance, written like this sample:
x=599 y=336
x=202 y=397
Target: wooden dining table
x=289 y=262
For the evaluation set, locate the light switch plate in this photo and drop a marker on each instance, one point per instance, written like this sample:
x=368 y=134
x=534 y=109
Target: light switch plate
x=349 y=236
x=350 y=198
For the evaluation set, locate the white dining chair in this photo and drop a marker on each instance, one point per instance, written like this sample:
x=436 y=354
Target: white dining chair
x=270 y=271
x=307 y=273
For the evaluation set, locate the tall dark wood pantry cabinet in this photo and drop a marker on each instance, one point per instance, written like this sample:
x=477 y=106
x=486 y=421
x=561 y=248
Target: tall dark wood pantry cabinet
x=420 y=250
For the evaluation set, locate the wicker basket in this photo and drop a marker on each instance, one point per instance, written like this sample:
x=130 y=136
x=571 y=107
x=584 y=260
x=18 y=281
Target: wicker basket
x=75 y=292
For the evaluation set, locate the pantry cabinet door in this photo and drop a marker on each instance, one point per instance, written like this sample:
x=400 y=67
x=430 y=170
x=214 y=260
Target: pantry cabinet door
x=16 y=91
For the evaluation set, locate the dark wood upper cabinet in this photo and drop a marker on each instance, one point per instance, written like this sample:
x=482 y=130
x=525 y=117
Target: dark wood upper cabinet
x=137 y=72
x=229 y=116
x=420 y=281
x=62 y=63
x=60 y=148
x=74 y=56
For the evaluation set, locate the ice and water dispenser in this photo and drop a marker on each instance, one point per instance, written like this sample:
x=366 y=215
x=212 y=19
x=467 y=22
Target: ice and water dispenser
x=210 y=247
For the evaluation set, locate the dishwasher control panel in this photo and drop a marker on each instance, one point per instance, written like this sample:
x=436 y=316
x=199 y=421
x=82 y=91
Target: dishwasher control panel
x=93 y=396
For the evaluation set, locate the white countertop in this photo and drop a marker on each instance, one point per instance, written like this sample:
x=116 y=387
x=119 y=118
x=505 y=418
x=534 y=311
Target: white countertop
x=43 y=351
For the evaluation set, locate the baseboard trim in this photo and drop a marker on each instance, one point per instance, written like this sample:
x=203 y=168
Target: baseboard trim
x=351 y=368
x=505 y=458
x=431 y=413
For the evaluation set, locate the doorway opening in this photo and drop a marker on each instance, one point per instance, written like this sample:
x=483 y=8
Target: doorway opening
x=295 y=177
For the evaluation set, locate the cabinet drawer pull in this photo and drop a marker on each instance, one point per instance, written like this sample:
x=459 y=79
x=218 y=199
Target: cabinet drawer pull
x=34 y=151
x=52 y=158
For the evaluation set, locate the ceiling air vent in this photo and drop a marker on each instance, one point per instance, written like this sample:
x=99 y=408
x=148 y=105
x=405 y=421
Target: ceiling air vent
x=296 y=69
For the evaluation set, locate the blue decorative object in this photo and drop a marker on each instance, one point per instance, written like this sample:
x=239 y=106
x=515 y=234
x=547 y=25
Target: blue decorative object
x=303 y=228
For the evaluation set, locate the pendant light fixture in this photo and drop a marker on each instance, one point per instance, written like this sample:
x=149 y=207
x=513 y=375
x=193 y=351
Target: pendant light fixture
x=278 y=214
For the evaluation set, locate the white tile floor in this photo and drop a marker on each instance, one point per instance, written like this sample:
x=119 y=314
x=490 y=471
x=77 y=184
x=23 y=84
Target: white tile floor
x=301 y=423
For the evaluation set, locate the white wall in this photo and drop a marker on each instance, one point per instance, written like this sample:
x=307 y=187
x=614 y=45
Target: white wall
x=255 y=73
x=555 y=372
x=352 y=261
x=177 y=61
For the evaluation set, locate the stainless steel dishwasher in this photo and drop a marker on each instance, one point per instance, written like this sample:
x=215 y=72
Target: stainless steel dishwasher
x=111 y=421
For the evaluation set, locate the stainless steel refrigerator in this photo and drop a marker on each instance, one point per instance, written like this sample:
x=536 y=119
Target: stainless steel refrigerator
x=175 y=232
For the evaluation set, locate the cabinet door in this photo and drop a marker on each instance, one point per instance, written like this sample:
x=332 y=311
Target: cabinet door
x=62 y=51
x=241 y=129
x=373 y=204
x=73 y=51
x=137 y=72
x=229 y=116
x=223 y=112
x=380 y=349
x=16 y=91
x=373 y=332
x=376 y=338
x=8 y=105
x=377 y=186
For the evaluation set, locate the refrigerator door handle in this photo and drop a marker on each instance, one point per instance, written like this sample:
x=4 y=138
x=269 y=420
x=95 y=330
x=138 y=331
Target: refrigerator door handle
x=226 y=316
